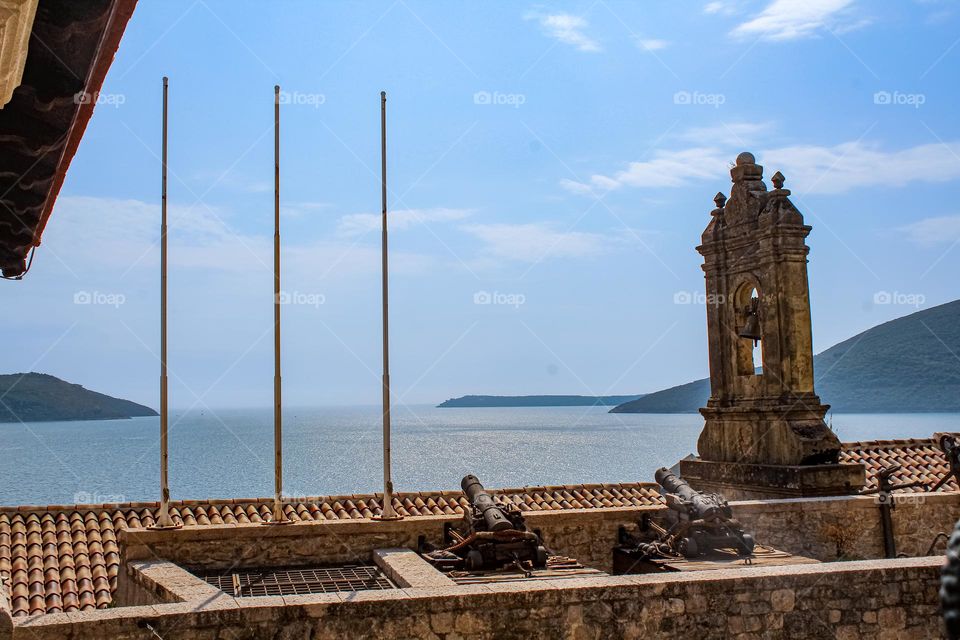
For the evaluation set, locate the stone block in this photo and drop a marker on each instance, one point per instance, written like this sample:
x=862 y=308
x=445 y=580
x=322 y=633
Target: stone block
x=739 y=481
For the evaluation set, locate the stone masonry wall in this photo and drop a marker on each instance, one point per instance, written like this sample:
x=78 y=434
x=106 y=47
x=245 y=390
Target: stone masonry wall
x=814 y=527
x=881 y=599
x=849 y=526
x=253 y=545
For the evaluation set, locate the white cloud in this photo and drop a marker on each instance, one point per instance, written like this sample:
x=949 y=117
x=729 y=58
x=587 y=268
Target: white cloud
x=666 y=169
x=301 y=209
x=850 y=165
x=653 y=44
x=360 y=223
x=933 y=231
x=809 y=168
x=727 y=133
x=92 y=235
x=568 y=29
x=534 y=242
x=717 y=7
x=794 y=19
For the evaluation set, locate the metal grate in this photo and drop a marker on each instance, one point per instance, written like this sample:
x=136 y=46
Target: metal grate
x=295 y=581
x=558 y=567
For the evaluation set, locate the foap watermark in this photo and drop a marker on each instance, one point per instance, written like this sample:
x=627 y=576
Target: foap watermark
x=301 y=298
x=496 y=298
x=99 y=298
x=899 y=98
x=699 y=99
x=98 y=98
x=915 y=300
x=299 y=99
x=894 y=499
x=497 y=98
x=698 y=298
x=87 y=497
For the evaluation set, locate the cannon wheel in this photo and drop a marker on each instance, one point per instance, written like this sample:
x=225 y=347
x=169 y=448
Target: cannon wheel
x=474 y=560
x=689 y=548
x=542 y=556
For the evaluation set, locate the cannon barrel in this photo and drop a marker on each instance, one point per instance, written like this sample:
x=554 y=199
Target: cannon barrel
x=492 y=514
x=705 y=507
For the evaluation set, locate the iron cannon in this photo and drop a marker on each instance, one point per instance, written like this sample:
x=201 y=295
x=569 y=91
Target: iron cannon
x=705 y=521
x=493 y=536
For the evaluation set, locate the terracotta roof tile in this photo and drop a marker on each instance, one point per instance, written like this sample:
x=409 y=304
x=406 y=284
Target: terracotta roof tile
x=921 y=460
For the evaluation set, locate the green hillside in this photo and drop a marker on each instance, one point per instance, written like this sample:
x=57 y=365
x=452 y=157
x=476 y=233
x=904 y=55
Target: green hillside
x=911 y=364
x=536 y=401
x=38 y=397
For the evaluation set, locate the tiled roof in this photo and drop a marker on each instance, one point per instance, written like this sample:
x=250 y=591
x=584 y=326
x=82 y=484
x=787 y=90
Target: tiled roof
x=921 y=460
x=65 y=558
x=72 y=45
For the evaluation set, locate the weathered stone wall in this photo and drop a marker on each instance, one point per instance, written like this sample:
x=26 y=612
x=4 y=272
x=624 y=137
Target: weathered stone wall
x=882 y=599
x=145 y=582
x=587 y=535
x=813 y=527
x=849 y=526
x=253 y=545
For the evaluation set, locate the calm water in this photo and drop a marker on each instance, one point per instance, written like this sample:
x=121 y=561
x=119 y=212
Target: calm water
x=336 y=450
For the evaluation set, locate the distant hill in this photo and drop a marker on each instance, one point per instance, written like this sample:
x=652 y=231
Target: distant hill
x=537 y=401
x=907 y=365
x=38 y=397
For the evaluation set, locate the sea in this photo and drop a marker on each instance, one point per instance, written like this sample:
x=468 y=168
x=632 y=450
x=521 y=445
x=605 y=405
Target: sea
x=337 y=450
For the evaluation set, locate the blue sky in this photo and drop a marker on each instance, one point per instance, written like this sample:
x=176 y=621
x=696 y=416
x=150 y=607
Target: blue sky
x=558 y=161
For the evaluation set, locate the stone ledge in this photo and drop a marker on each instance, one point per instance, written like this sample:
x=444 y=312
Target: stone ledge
x=762 y=480
x=167 y=578
x=407 y=569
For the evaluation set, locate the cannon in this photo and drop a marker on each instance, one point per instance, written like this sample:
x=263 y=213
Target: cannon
x=493 y=516
x=698 y=524
x=705 y=521
x=493 y=536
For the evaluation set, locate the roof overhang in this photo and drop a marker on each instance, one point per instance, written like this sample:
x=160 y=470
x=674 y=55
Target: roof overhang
x=71 y=47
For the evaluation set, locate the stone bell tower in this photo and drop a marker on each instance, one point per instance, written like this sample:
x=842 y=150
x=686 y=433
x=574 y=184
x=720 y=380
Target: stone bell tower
x=764 y=433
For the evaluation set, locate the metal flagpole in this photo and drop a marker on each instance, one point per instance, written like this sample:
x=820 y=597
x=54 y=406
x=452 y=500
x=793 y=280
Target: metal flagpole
x=163 y=517
x=278 y=515
x=388 y=512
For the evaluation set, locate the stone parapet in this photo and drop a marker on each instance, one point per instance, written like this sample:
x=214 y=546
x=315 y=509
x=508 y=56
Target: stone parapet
x=875 y=599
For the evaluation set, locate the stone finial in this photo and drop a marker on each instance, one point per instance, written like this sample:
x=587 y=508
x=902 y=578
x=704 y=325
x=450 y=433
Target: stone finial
x=719 y=200
x=747 y=170
x=777 y=180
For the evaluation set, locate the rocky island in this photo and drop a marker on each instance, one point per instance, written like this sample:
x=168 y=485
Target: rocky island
x=39 y=397
x=537 y=401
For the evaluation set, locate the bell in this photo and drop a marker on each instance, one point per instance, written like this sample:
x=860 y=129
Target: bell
x=752 y=328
